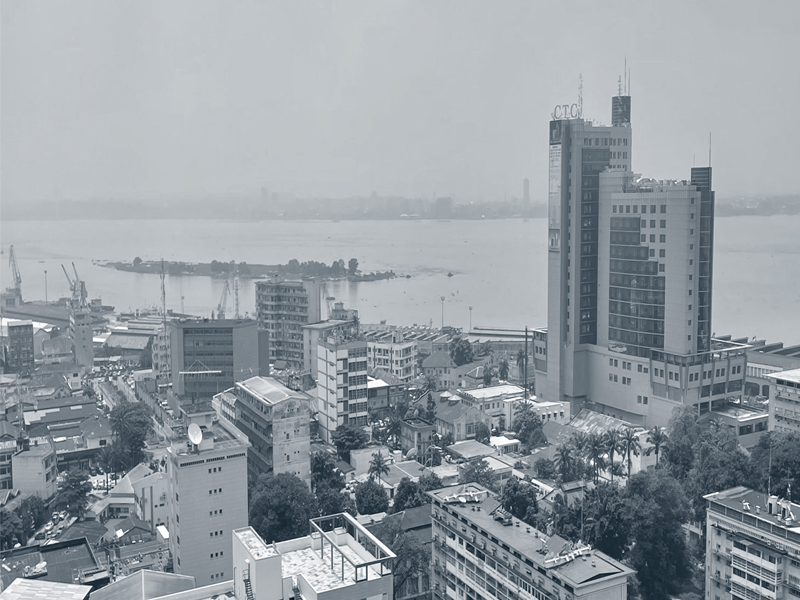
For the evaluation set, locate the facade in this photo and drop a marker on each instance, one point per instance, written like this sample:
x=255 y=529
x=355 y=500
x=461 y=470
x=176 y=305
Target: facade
x=441 y=366
x=81 y=335
x=342 y=384
x=379 y=396
x=460 y=420
x=479 y=547
x=284 y=306
x=390 y=351
x=35 y=469
x=764 y=359
x=784 y=404
x=209 y=356
x=275 y=420
x=207 y=495
x=630 y=265
x=20 y=353
x=753 y=546
x=417 y=435
x=313 y=333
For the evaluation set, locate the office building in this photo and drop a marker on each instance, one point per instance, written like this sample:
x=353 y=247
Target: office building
x=784 y=404
x=207 y=494
x=753 y=546
x=19 y=353
x=342 y=384
x=283 y=307
x=630 y=264
x=209 y=356
x=392 y=352
x=480 y=549
x=275 y=420
x=34 y=468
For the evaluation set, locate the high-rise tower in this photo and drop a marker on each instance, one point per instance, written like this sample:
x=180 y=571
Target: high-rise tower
x=630 y=264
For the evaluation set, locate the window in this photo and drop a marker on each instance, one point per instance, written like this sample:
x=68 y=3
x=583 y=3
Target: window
x=652 y=209
x=644 y=399
x=644 y=223
x=643 y=238
x=614 y=208
x=610 y=362
x=663 y=224
x=640 y=368
x=662 y=253
x=652 y=223
x=661 y=267
x=615 y=362
x=615 y=379
x=691 y=216
x=663 y=208
x=635 y=209
x=652 y=252
x=610 y=377
x=653 y=238
x=662 y=238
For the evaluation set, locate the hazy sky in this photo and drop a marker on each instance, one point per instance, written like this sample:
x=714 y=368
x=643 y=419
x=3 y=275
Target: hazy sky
x=142 y=99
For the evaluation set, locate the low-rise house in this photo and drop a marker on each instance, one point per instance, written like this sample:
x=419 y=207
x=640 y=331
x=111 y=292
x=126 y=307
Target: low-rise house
x=441 y=366
x=459 y=420
x=468 y=450
x=417 y=435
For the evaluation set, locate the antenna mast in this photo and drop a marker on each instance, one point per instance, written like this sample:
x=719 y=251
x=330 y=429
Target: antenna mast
x=161 y=367
x=580 y=96
x=625 y=72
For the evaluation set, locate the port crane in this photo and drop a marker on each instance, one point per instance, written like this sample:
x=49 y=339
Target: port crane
x=223 y=301
x=78 y=288
x=12 y=263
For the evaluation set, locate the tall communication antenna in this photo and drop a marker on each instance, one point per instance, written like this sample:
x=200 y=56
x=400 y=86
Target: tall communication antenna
x=162 y=367
x=580 y=96
x=619 y=86
x=625 y=72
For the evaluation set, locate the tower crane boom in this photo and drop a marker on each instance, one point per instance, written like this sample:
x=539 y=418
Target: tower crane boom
x=12 y=262
x=223 y=301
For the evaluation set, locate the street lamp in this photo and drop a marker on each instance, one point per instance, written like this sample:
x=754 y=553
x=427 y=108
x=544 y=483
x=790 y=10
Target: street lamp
x=470 y=319
x=45 y=285
x=442 y=312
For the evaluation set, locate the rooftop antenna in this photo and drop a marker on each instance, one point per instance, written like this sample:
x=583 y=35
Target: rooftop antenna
x=619 y=86
x=709 y=148
x=625 y=72
x=580 y=96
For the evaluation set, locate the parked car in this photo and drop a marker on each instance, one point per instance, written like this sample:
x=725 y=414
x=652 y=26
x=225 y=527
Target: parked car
x=40 y=536
x=49 y=526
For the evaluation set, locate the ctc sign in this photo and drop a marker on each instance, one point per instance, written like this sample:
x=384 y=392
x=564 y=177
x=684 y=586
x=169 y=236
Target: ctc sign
x=566 y=111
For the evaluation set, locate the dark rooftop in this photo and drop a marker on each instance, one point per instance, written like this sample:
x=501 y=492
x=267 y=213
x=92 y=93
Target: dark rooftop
x=64 y=560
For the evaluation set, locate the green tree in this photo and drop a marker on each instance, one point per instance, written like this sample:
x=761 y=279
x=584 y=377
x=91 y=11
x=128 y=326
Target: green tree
x=658 y=553
x=478 y=471
x=347 y=438
x=488 y=375
x=413 y=558
x=630 y=446
x=352 y=266
x=378 y=466
x=565 y=463
x=682 y=432
x=545 y=468
x=659 y=438
x=324 y=472
x=448 y=439
x=460 y=351
x=371 y=498
x=131 y=424
x=280 y=507
x=428 y=482
x=137 y=261
x=607 y=523
x=528 y=425
x=430 y=412
x=11 y=529
x=32 y=511
x=331 y=501
x=519 y=499
x=73 y=493
x=613 y=440
x=776 y=457
x=502 y=369
x=482 y=433
x=596 y=454
x=109 y=459
x=408 y=495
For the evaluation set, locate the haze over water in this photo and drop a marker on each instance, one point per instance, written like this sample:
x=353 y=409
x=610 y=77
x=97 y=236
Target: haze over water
x=499 y=267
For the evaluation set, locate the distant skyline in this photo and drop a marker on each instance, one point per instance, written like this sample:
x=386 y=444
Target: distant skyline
x=157 y=100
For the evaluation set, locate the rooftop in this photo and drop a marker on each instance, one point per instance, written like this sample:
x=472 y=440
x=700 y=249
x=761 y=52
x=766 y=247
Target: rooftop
x=469 y=449
x=576 y=565
x=145 y=584
x=59 y=562
x=754 y=508
x=322 y=325
x=439 y=359
x=494 y=391
x=37 y=589
x=590 y=422
x=792 y=376
x=268 y=390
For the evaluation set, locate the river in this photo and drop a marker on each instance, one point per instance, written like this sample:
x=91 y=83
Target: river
x=499 y=267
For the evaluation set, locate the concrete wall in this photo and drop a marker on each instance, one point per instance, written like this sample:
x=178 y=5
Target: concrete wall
x=291 y=439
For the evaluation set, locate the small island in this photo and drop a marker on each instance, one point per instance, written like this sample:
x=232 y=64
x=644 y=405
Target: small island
x=336 y=270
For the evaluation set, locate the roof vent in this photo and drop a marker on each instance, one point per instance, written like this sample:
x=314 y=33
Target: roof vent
x=758 y=510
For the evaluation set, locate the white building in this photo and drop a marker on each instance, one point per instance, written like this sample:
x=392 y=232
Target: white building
x=784 y=404
x=342 y=386
x=207 y=495
x=389 y=351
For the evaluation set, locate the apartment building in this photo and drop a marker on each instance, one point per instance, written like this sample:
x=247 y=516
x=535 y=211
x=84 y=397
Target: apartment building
x=207 y=494
x=275 y=420
x=20 y=353
x=284 y=306
x=784 y=404
x=390 y=351
x=753 y=546
x=314 y=332
x=480 y=550
x=342 y=384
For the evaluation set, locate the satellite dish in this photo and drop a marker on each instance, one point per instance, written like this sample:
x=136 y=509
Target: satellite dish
x=195 y=435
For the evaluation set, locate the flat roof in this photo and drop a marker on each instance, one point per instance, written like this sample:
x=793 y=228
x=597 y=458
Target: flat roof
x=792 y=375
x=253 y=542
x=745 y=500
x=38 y=589
x=322 y=325
x=471 y=449
x=269 y=390
x=493 y=391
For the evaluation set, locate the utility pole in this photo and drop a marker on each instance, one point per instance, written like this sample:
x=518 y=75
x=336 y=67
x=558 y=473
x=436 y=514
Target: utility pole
x=442 y=312
x=45 y=285
x=526 y=362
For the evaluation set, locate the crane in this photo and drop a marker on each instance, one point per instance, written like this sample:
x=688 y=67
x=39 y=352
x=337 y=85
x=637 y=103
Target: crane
x=78 y=288
x=12 y=262
x=223 y=301
x=235 y=290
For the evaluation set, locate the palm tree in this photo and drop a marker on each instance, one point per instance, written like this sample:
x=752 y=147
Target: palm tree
x=520 y=359
x=613 y=439
x=488 y=374
x=564 y=461
x=659 y=438
x=378 y=466
x=596 y=449
x=503 y=369
x=630 y=445
x=431 y=383
x=579 y=441
x=394 y=428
